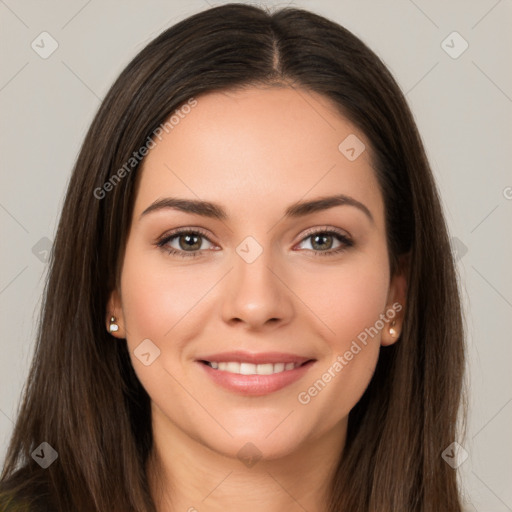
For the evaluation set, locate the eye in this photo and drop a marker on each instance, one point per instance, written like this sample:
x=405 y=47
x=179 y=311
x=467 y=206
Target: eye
x=189 y=241
x=322 y=242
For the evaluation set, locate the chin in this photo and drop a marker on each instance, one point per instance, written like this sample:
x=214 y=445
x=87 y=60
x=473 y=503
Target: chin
x=274 y=435
x=250 y=449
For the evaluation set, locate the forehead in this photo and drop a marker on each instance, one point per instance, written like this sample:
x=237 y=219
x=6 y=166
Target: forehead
x=256 y=147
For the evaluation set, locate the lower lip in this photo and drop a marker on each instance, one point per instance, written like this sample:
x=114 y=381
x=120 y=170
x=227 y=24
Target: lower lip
x=255 y=385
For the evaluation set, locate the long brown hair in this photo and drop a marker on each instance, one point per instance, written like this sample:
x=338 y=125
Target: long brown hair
x=82 y=395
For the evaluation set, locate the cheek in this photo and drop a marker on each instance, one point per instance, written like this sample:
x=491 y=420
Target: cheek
x=361 y=304
x=347 y=300
x=158 y=304
x=157 y=299
x=350 y=303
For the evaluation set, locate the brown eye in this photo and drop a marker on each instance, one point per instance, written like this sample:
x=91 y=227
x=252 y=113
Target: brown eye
x=322 y=242
x=190 y=243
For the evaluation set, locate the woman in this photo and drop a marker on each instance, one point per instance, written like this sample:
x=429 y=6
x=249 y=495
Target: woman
x=194 y=353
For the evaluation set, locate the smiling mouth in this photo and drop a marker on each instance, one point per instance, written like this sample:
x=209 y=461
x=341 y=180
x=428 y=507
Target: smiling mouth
x=254 y=369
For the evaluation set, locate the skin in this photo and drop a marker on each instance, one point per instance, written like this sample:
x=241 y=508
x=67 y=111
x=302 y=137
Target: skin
x=255 y=152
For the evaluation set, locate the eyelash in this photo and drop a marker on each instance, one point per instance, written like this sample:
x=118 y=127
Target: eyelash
x=346 y=242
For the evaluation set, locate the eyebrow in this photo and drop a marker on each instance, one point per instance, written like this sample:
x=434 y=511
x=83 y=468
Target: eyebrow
x=216 y=211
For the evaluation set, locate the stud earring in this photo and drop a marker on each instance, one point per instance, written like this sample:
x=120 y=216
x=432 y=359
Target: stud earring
x=113 y=327
x=392 y=329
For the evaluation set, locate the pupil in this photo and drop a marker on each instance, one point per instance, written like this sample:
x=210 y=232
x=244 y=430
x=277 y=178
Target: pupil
x=190 y=238
x=317 y=237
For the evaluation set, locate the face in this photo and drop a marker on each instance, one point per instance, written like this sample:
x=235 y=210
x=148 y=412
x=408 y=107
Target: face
x=299 y=300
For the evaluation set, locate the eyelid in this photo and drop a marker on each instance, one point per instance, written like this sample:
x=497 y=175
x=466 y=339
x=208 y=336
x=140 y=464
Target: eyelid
x=179 y=231
x=323 y=229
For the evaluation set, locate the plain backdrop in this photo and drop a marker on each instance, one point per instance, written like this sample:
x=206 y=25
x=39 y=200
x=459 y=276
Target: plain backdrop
x=461 y=99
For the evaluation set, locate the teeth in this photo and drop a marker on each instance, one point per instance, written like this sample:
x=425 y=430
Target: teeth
x=248 y=369
x=230 y=367
x=253 y=369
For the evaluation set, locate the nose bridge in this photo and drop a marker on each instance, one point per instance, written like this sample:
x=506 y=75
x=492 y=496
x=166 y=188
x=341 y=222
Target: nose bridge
x=256 y=294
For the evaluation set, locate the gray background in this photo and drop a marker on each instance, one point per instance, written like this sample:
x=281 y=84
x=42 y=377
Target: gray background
x=462 y=106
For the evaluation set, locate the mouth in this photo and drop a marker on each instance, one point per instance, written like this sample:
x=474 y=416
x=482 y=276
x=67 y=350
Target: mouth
x=254 y=374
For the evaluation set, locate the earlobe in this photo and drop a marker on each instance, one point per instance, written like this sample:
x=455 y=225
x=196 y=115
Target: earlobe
x=396 y=302
x=391 y=333
x=113 y=326
x=115 y=316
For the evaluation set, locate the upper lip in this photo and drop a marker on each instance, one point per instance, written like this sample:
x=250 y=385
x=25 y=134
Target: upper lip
x=255 y=358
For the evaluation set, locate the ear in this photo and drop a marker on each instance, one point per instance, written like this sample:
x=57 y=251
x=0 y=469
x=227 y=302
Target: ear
x=114 y=309
x=397 y=297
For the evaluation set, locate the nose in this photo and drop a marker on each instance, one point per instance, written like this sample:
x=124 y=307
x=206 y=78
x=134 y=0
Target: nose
x=257 y=294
